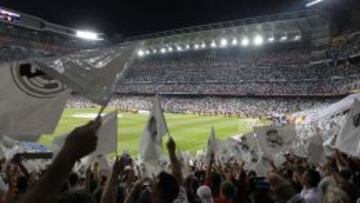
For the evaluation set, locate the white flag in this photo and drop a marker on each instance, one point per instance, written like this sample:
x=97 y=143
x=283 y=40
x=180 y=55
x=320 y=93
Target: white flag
x=273 y=140
x=31 y=103
x=107 y=136
x=316 y=150
x=250 y=150
x=150 y=147
x=92 y=73
x=329 y=146
x=263 y=166
x=299 y=148
x=349 y=139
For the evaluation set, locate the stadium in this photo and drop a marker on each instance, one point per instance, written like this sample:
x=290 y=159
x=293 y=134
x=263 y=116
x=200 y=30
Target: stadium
x=212 y=71
x=230 y=79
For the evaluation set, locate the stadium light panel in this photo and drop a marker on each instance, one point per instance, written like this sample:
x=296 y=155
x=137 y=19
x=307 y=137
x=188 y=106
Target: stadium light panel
x=297 y=38
x=234 y=42
x=179 y=48
x=196 y=46
x=213 y=44
x=283 y=38
x=88 y=35
x=147 y=52
x=154 y=51
x=170 y=49
x=187 y=46
x=245 y=42
x=141 y=53
x=271 y=39
x=313 y=3
x=258 y=40
x=163 y=50
x=223 y=42
x=203 y=45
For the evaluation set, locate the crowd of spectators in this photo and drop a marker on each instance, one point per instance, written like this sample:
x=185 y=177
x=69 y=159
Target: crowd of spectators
x=230 y=106
x=266 y=70
x=344 y=46
x=242 y=80
x=208 y=181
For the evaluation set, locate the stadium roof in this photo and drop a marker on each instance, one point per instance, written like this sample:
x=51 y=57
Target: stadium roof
x=291 y=24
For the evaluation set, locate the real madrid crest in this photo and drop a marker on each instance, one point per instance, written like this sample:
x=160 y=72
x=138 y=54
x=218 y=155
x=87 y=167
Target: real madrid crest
x=273 y=139
x=32 y=81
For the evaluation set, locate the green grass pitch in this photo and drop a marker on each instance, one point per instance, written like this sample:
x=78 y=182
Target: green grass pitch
x=189 y=131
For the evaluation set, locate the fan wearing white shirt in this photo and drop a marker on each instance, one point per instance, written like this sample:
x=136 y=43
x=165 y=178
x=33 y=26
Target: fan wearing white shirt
x=310 y=192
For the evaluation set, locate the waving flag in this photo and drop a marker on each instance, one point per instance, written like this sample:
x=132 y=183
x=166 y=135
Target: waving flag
x=273 y=140
x=92 y=73
x=316 y=150
x=107 y=136
x=31 y=103
x=150 y=147
x=349 y=139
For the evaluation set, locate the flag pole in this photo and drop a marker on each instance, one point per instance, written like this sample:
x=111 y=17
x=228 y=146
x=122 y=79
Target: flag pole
x=102 y=110
x=103 y=107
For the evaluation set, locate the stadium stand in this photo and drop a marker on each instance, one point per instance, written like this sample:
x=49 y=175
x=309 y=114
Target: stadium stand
x=235 y=73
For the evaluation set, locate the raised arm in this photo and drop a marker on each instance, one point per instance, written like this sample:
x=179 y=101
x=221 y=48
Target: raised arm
x=175 y=163
x=210 y=166
x=81 y=142
x=110 y=191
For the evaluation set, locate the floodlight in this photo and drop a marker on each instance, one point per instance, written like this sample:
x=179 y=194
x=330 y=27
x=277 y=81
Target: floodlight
x=88 y=35
x=187 y=46
x=203 y=45
x=163 y=50
x=313 y=3
x=196 y=46
x=271 y=39
x=234 y=42
x=147 y=52
x=297 y=37
x=140 y=53
x=283 y=38
x=179 y=48
x=154 y=51
x=245 y=42
x=223 y=42
x=213 y=44
x=170 y=49
x=258 y=40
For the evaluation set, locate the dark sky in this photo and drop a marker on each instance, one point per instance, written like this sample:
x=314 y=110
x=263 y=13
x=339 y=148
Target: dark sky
x=133 y=17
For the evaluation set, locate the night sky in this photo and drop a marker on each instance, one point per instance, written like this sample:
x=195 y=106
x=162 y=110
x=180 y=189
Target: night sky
x=134 y=17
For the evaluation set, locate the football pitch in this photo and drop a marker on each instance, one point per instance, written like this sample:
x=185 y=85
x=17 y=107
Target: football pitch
x=189 y=131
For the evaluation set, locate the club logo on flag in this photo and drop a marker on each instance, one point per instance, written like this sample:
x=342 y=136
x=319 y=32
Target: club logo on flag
x=34 y=82
x=356 y=120
x=273 y=139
